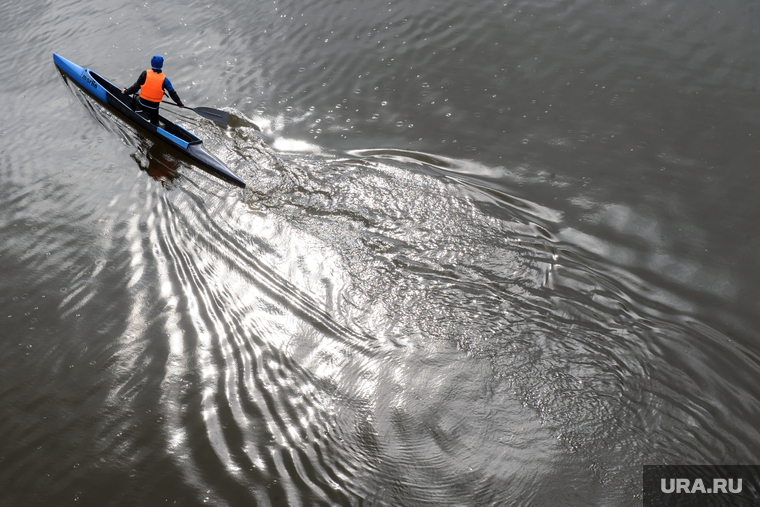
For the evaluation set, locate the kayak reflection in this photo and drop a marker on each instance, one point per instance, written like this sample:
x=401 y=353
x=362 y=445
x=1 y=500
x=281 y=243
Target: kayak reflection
x=159 y=165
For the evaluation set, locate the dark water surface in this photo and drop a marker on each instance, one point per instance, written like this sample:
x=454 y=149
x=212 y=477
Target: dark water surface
x=491 y=253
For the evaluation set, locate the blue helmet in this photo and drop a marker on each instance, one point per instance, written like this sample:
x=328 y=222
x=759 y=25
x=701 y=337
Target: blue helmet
x=157 y=62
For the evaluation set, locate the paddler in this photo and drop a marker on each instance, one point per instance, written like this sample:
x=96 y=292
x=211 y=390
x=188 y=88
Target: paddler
x=152 y=83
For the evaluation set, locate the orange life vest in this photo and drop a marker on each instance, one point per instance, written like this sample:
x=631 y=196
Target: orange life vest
x=153 y=89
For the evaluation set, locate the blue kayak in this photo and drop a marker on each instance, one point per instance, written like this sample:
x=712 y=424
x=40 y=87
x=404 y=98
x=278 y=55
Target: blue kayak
x=169 y=133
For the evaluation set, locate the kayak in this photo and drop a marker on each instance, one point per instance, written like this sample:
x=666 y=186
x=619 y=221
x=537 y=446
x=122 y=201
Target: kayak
x=168 y=132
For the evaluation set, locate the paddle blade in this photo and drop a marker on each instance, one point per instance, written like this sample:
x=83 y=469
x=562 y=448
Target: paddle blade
x=216 y=115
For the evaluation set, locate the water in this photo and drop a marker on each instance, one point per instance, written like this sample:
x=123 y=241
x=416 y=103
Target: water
x=491 y=253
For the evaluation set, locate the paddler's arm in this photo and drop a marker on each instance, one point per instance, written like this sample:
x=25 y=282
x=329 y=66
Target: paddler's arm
x=133 y=89
x=173 y=94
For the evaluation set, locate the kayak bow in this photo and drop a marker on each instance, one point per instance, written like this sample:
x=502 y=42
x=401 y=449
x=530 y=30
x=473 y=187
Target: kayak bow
x=169 y=133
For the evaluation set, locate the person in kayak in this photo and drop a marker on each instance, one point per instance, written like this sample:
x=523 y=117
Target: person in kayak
x=152 y=83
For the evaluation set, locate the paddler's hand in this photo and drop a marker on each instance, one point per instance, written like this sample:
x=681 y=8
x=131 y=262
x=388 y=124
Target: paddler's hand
x=123 y=91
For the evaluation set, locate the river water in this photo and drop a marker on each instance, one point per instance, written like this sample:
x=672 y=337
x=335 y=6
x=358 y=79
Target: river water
x=490 y=253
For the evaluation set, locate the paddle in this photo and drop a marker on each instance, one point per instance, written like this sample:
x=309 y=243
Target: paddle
x=216 y=115
x=212 y=114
